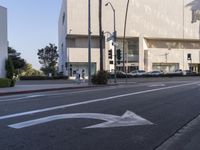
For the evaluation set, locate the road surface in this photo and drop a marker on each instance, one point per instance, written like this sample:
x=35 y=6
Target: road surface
x=137 y=116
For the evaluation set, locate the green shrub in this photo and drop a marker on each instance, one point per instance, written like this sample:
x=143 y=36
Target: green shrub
x=4 y=82
x=100 y=78
x=43 y=78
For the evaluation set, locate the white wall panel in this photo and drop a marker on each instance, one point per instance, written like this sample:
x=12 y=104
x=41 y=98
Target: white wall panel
x=3 y=40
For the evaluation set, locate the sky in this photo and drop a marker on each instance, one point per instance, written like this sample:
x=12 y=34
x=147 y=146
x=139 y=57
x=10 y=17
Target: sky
x=32 y=25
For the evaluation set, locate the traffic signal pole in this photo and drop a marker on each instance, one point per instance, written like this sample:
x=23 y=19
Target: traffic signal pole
x=114 y=41
x=115 y=55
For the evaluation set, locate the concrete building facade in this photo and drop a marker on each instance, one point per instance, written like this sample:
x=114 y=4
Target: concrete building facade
x=3 y=40
x=160 y=35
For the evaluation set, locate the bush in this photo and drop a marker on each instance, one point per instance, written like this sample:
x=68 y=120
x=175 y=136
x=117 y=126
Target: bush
x=43 y=78
x=5 y=82
x=100 y=78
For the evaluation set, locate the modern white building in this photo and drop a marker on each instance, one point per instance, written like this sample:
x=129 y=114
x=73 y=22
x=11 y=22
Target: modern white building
x=3 y=40
x=160 y=35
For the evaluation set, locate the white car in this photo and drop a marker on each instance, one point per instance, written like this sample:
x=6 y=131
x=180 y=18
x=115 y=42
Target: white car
x=137 y=73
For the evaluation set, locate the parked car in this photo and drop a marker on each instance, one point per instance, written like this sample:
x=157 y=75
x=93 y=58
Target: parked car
x=137 y=73
x=188 y=72
x=177 y=72
x=119 y=74
x=155 y=73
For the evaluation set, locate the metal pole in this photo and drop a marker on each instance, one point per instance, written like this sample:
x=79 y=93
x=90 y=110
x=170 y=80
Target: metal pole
x=115 y=40
x=89 y=42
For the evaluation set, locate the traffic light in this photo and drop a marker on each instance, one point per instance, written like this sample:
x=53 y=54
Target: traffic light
x=66 y=65
x=119 y=54
x=189 y=57
x=110 y=54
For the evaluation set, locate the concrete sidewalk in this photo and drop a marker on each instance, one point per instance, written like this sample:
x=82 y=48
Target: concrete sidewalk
x=23 y=87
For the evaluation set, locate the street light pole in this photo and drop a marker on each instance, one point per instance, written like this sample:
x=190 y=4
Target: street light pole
x=89 y=42
x=114 y=40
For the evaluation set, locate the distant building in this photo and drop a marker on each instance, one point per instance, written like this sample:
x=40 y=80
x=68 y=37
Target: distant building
x=3 y=40
x=160 y=35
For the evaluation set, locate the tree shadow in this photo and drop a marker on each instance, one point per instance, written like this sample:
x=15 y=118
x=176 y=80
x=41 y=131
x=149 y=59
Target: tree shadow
x=195 y=5
x=195 y=9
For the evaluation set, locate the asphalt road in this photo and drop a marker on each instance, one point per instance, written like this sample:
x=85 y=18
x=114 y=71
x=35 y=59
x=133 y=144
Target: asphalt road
x=138 y=116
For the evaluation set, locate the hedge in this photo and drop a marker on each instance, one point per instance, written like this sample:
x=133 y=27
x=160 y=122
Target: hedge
x=4 y=82
x=43 y=78
x=100 y=78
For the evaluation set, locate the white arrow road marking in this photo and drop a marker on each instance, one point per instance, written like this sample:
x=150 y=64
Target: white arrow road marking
x=21 y=98
x=92 y=101
x=128 y=119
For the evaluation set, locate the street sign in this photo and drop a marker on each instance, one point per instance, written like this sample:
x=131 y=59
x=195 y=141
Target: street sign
x=110 y=38
x=115 y=44
x=127 y=119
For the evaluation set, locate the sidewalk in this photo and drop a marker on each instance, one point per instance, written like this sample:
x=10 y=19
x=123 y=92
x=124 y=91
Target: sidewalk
x=31 y=88
x=23 y=87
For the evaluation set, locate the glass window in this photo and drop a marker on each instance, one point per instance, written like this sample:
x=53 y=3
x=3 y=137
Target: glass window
x=132 y=47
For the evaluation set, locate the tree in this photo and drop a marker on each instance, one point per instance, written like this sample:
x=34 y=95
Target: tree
x=10 y=71
x=30 y=71
x=9 y=68
x=18 y=62
x=48 y=57
x=124 y=38
x=100 y=35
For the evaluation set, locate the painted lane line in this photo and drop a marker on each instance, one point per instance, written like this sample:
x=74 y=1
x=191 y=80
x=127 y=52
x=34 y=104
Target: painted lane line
x=127 y=119
x=157 y=85
x=91 y=101
x=47 y=95
x=22 y=98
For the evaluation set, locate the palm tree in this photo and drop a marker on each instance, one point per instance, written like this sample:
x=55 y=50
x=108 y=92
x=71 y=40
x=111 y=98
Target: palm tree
x=195 y=5
x=195 y=8
x=100 y=35
x=127 y=6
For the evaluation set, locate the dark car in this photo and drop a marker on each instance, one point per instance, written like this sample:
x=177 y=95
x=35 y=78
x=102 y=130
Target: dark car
x=155 y=73
x=119 y=74
x=177 y=72
x=188 y=73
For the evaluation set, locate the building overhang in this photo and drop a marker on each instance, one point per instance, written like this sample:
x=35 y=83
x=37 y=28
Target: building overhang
x=172 y=39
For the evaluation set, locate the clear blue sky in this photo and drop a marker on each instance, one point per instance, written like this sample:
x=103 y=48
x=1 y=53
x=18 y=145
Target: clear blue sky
x=32 y=24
